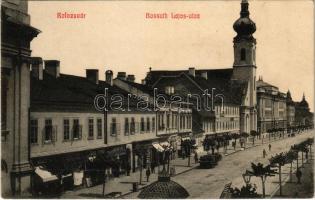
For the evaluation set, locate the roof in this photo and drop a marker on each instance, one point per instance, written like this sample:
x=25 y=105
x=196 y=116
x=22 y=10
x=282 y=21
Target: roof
x=218 y=79
x=70 y=92
x=261 y=83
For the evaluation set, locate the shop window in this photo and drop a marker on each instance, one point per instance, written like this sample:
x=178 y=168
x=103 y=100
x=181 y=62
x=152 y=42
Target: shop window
x=153 y=124
x=148 y=124
x=113 y=127
x=34 y=131
x=99 y=128
x=132 y=126
x=91 y=128
x=126 y=126
x=142 y=125
x=66 y=129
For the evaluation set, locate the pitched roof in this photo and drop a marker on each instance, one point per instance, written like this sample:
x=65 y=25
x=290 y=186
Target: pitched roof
x=220 y=79
x=70 y=92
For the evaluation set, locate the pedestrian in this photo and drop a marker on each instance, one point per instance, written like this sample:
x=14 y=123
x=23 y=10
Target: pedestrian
x=128 y=169
x=264 y=153
x=196 y=157
x=234 y=145
x=298 y=175
x=212 y=149
x=148 y=173
x=153 y=167
x=269 y=147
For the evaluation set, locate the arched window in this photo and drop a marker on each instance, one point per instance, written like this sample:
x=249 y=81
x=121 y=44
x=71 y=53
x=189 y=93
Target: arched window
x=243 y=54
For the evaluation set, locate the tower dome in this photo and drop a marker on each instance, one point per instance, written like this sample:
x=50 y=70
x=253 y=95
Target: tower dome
x=244 y=26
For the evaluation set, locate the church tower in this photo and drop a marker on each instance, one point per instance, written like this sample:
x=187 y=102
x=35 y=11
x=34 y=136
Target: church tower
x=244 y=67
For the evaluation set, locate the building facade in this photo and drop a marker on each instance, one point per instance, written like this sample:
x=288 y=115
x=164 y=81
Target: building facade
x=272 y=107
x=16 y=36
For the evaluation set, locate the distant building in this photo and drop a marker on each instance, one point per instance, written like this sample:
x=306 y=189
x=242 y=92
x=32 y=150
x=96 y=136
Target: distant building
x=303 y=116
x=16 y=36
x=290 y=110
x=272 y=107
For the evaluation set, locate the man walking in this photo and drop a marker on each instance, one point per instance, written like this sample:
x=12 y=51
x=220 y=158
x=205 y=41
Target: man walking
x=269 y=147
x=298 y=175
x=148 y=173
x=196 y=157
x=264 y=153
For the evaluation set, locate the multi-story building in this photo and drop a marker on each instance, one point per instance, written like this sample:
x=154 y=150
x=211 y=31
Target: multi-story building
x=16 y=36
x=69 y=126
x=272 y=107
x=290 y=110
x=215 y=110
x=174 y=120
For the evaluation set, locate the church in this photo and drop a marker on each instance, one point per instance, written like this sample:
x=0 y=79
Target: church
x=237 y=84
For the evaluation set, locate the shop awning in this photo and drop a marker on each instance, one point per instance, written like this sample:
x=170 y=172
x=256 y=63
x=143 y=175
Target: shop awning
x=186 y=138
x=166 y=145
x=45 y=175
x=158 y=147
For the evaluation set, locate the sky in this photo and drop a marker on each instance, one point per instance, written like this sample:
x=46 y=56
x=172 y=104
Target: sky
x=116 y=35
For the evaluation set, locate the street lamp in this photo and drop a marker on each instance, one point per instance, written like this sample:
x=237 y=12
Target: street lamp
x=246 y=177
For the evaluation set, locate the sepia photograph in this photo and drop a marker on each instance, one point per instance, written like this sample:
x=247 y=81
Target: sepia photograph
x=150 y=99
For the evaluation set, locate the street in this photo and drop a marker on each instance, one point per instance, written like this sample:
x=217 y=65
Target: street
x=209 y=183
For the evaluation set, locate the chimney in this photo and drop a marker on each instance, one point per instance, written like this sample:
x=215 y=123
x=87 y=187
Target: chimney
x=52 y=67
x=92 y=75
x=109 y=77
x=192 y=71
x=131 y=78
x=37 y=68
x=204 y=75
x=121 y=75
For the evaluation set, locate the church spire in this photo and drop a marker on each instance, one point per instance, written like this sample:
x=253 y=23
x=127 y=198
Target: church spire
x=244 y=9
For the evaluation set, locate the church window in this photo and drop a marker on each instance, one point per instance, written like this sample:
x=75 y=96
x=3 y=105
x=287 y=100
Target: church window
x=243 y=54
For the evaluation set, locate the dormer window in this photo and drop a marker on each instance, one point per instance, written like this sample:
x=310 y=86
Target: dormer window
x=243 y=54
x=169 y=90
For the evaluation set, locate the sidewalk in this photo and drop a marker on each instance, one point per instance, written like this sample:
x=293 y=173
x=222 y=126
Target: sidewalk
x=123 y=184
x=295 y=190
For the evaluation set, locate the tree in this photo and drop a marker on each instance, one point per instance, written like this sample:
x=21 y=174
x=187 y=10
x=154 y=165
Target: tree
x=259 y=170
x=296 y=149
x=253 y=133
x=278 y=160
x=244 y=135
x=269 y=131
x=291 y=156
